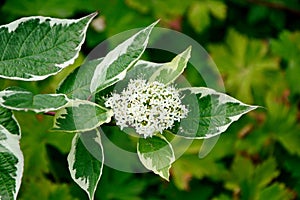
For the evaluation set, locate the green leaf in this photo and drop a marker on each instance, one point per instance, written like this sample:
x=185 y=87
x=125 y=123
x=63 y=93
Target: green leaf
x=169 y=72
x=16 y=98
x=288 y=47
x=218 y=9
x=275 y=191
x=248 y=178
x=77 y=84
x=8 y=121
x=86 y=165
x=211 y=115
x=11 y=157
x=43 y=8
x=199 y=13
x=115 y=64
x=246 y=65
x=34 y=48
x=223 y=197
x=80 y=115
x=126 y=186
x=163 y=72
x=198 y=16
x=143 y=68
x=265 y=173
x=287 y=129
x=156 y=154
x=158 y=10
x=189 y=166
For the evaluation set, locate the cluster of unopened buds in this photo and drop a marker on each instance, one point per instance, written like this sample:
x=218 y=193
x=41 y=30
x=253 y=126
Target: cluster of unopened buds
x=148 y=107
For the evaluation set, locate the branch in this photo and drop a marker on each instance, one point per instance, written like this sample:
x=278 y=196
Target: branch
x=50 y=113
x=276 y=6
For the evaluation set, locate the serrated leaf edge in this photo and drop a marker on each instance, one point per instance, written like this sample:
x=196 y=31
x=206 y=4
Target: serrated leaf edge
x=53 y=21
x=10 y=144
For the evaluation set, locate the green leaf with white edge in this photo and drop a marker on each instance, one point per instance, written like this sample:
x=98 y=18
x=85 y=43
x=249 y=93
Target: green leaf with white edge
x=169 y=72
x=16 y=98
x=34 y=48
x=156 y=154
x=80 y=116
x=163 y=72
x=8 y=121
x=11 y=157
x=86 y=160
x=143 y=68
x=211 y=115
x=117 y=62
x=77 y=84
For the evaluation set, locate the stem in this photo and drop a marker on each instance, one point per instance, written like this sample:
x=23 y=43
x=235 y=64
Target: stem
x=89 y=97
x=50 y=113
x=275 y=6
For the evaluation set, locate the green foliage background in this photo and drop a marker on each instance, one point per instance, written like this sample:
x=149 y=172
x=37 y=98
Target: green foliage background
x=256 y=46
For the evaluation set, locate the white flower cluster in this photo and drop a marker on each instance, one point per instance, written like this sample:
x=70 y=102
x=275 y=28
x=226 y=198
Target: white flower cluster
x=147 y=107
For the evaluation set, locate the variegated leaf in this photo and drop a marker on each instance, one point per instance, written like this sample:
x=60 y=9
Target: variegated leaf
x=156 y=154
x=16 y=98
x=11 y=157
x=162 y=72
x=33 y=48
x=169 y=72
x=80 y=116
x=115 y=64
x=211 y=115
x=77 y=84
x=86 y=160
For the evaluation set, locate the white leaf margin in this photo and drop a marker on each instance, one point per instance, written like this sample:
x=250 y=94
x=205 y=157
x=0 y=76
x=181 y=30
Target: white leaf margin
x=77 y=103
x=148 y=64
x=8 y=93
x=53 y=21
x=147 y=162
x=121 y=49
x=84 y=182
x=11 y=143
x=223 y=98
x=173 y=66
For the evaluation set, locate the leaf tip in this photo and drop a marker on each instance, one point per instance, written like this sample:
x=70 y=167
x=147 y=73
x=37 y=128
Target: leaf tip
x=94 y=14
x=166 y=178
x=188 y=51
x=154 y=23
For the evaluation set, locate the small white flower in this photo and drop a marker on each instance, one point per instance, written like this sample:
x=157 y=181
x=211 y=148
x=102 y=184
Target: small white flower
x=147 y=107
